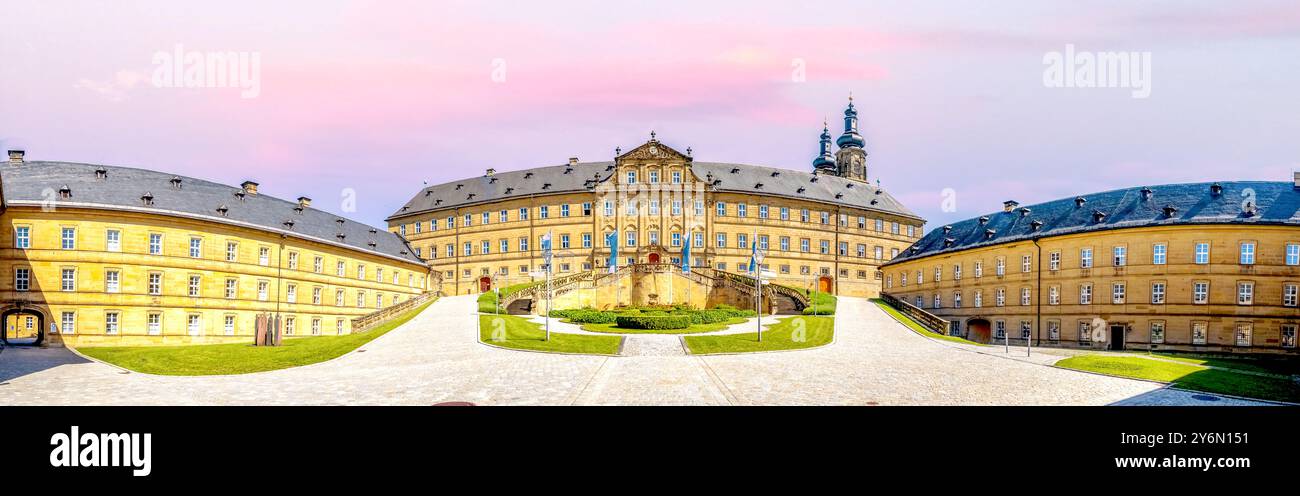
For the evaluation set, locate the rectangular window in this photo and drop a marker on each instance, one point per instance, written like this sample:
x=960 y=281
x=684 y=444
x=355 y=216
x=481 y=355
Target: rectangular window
x=113 y=240
x=676 y=239
x=956 y=300
x=1085 y=258
x=1200 y=292
x=699 y=239
x=979 y=269
x=229 y=325
x=232 y=251
x=742 y=210
x=631 y=177
x=1001 y=297
x=487 y=218
x=22 y=237
x=999 y=329
x=1288 y=336
x=1244 y=331
x=721 y=209
x=468 y=221
x=1157 y=293
x=113 y=281
x=1159 y=254
x=785 y=213
x=1001 y=266
x=720 y=240
x=318 y=264
x=1247 y=253
x=742 y=241
x=1289 y=295
x=677 y=177
x=485 y=247
x=232 y=288
x=1293 y=254
x=263 y=255
x=503 y=216
x=262 y=287
x=762 y=211
x=699 y=207
x=1202 y=253
x=1026 y=263
x=69 y=239
x=153 y=323
x=505 y=245
x=631 y=238
x=315 y=326
x=291 y=293
x=677 y=207
x=1118 y=293
x=1245 y=293
x=1054 y=295
x=979 y=298
x=1085 y=294
x=69 y=280
x=195 y=285
x=1085 y=332
x=654 y=207
x=68 y=323
x=543 y=212
x=110 y=322
x=315 y=295
x=956 y=268
x=1199 y=332
x=293 y=260
x=803 y=215
x=1024 y=296
x=654 y=177
x=1157 y=331
x=1054 y=261
x=1053 y=330
x=155 y=244
x=1120 y=256
x=196 y=247
x=523 y=244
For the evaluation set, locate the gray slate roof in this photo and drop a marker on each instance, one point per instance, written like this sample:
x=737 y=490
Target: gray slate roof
x=124 y=187
x=1277 y=203
x=745 y=179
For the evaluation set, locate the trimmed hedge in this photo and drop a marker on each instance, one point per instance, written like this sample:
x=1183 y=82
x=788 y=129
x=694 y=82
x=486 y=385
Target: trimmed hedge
x=585 y=316
x=653 y=322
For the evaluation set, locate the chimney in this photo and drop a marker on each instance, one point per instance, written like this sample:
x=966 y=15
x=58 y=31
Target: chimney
x=1296 y=174
x=304 y=202
x=490 y=172
x=1009 y=205
x=16 y=158
x=250 y=187
x=573 y=160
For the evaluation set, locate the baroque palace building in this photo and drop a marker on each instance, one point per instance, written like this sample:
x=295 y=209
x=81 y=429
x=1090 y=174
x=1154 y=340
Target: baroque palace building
x=827 y=229
x=101 y=255
x=1188 y=267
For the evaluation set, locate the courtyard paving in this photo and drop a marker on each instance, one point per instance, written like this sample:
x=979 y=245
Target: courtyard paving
x=436 y=358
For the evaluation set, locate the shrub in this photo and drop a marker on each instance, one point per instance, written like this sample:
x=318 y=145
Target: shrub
x=657 y=322
x=584 y=315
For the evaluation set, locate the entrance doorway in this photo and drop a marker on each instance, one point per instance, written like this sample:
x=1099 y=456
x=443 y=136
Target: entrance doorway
x=1116 y=337
x=23 y=327
x=977 y=330
x=654 y=258
x=484 y=284
x=824 y=284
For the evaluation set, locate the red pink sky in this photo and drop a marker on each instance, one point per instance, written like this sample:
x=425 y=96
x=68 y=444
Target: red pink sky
x=382 y=96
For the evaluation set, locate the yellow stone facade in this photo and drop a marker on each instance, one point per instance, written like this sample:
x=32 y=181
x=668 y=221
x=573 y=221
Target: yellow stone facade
x=131 y=278
x=1128 y=294
x=657 y=203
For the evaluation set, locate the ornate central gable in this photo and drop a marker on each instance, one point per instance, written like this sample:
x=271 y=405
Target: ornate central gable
x=653 y=150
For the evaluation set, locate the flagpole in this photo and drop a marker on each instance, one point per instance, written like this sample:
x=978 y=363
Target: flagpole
x=546 y=255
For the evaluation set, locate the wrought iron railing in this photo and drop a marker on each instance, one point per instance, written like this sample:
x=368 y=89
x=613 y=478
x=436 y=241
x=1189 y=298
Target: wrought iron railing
x=928 y=320
x=373 y=319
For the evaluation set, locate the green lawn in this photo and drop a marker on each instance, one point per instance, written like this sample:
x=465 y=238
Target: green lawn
x=1186 y=376
x=238 y=358
x=1269 y=365
x=813 y=332
x=917 y=327
x=693 y=329
x=517 y=332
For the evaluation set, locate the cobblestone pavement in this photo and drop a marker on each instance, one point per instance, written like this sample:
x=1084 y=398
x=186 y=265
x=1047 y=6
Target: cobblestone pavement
x=436 y=358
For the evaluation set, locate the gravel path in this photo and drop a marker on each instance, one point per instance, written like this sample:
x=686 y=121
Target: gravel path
x=435 y=357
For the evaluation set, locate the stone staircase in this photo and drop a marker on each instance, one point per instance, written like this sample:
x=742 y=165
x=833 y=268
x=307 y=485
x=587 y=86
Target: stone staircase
x=374 y=319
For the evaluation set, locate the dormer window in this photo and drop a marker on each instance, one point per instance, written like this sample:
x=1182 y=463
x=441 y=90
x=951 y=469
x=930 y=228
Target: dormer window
x=341 y=237
x=758 y=186
x=288 y=224
x=984 y=220
x=990 y=233
x=839 y=195
x=470 y=197
x=1025 y=211
x=147 y=199
x=510 y=190
x=459 y=186
x=849 y=185
x=371 y=244
x=1036 y=225
x=1216 y=189
x=1146 y=193
x=437 y=201
x=176 y=182
x=568 y=170
x=775 y=173
x=1249 y=209
x=947 y=229
x=948 y=242
x=735 y=170
x=222 y=210
x=240 y=195
x=528 y=175
x=297 y=209
x=1079 y=201
x=101 y=173
x=428 y=192
x=1098 y=216
x=339 y=222
x=546 y=186
x=492 y=180
x=65 y=192
x=800 y=190
x=373 y=230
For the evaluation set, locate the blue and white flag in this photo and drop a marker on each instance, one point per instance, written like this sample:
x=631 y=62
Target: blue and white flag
x=686 y=257
x=546 y=251
x=753 y=255
x=611 y=239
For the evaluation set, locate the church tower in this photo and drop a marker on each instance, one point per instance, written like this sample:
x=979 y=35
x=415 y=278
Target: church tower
x=851 y=158
x=825 y=162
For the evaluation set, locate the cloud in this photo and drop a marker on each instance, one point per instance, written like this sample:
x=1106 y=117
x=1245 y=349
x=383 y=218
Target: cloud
x=115 y=88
